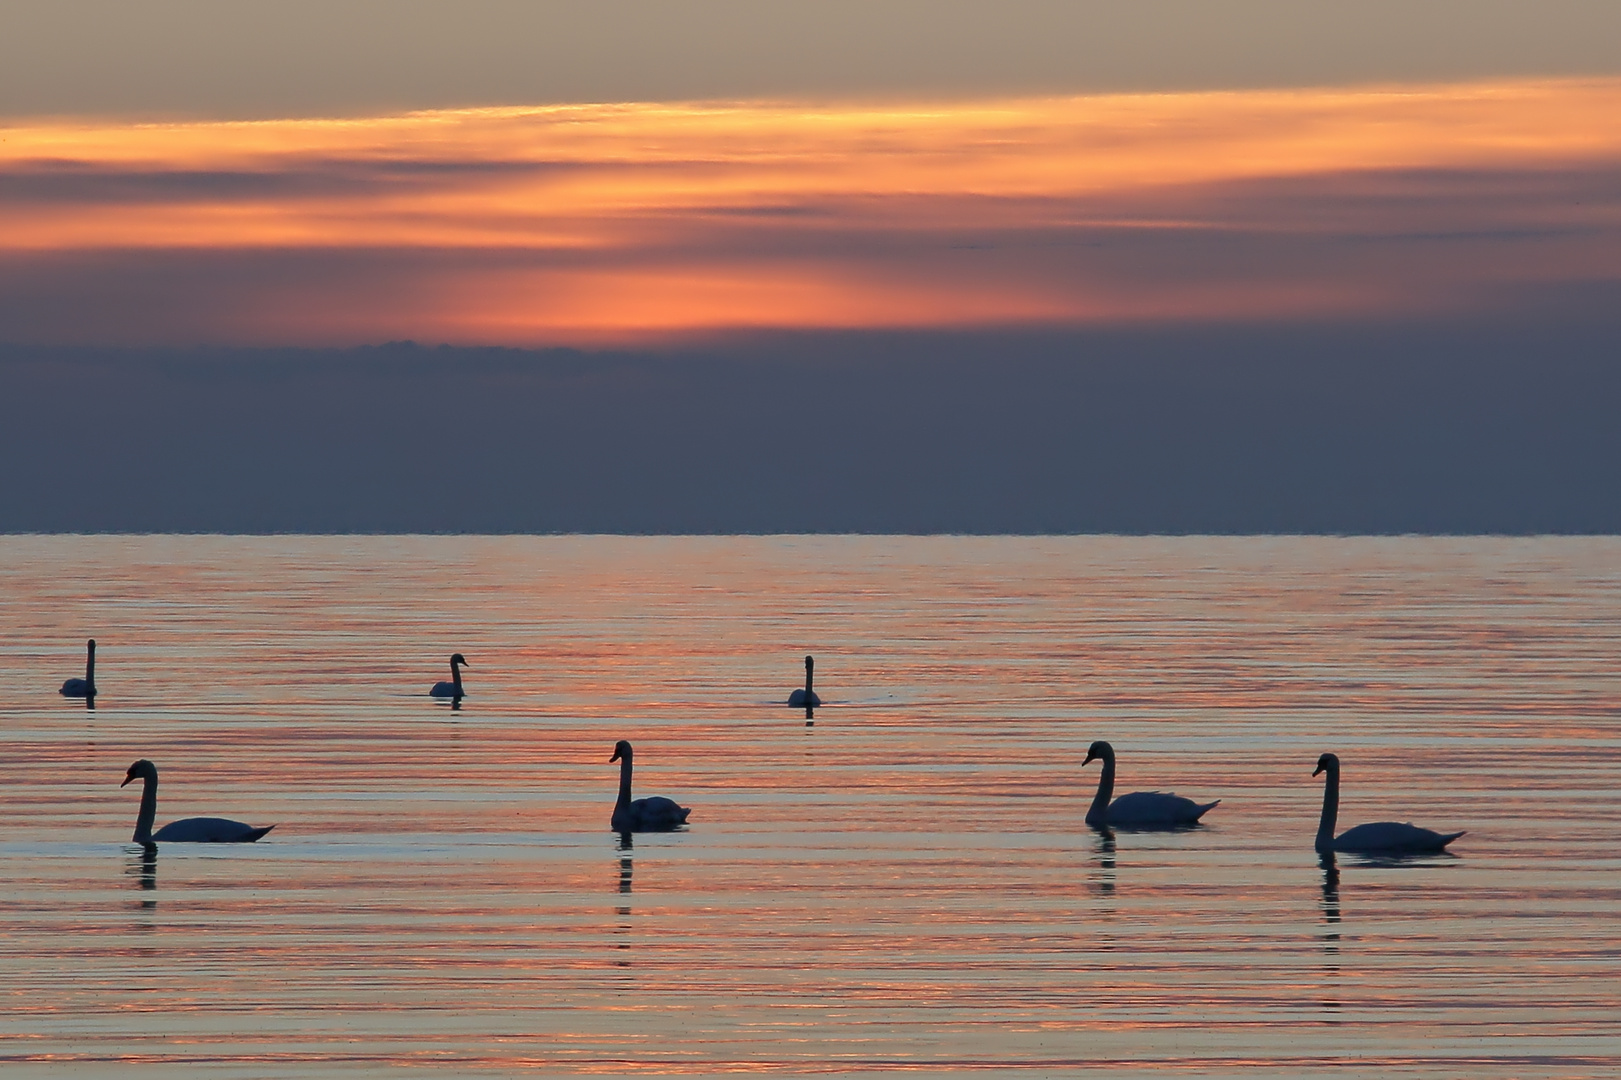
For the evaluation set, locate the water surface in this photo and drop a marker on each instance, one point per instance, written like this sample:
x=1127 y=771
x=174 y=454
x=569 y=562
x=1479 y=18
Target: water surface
x=904 y=884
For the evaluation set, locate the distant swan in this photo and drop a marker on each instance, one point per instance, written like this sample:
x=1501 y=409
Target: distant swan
x=1140 y=809
x=193 y=830
x=453 y=688
x=800 y=699
x=1375 y=838
x=656 y=814
x=85 y=687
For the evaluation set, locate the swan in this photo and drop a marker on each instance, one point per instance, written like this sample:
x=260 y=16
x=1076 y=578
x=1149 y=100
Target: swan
x=805 y=698
x=1376 y=837
x=453 y=688
x=197 y=830
x=85 y=687
x=1140 y=809
x=656 y=814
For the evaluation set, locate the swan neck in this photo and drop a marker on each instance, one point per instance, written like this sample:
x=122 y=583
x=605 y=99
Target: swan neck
x=149 y=810
x=1331 y=810
x=808 y=670
x=624 y=782
x=90 y=668
x=456 y=676
x=1098 y=815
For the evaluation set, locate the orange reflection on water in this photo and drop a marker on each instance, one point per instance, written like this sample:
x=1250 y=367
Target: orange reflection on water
x=535 y=225
x=906 y=887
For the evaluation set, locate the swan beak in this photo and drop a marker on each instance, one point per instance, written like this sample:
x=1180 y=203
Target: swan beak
x=614 y=758
x=1317 y=770
x=127 y=779
x=1090 y=757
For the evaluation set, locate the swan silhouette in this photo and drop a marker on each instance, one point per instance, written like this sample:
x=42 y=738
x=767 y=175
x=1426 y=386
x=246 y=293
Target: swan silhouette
x=806 y=698
x=1376 y=837
x=85 y=687
x=656 y=814
x=453 y=688
x=192 y=830
x=1140 y=809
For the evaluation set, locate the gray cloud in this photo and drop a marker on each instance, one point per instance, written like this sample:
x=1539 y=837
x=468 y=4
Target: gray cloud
x=1491 y=425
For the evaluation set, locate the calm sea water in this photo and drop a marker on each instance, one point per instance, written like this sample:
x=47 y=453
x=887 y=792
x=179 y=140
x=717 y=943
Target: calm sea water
x=904 y=884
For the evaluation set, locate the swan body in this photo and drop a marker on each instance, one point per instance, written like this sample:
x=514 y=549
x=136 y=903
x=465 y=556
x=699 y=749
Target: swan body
x=1140 y=809
x=1374 y=838
x=85 y=687
x=196 y=830
x=805 y=698
x=655 y=814
x=453 y=688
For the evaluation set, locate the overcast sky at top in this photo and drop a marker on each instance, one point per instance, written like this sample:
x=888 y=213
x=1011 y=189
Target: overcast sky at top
x=236 y=59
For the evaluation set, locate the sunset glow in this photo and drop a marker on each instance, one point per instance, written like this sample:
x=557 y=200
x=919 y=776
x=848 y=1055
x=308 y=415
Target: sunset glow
x=604 y=223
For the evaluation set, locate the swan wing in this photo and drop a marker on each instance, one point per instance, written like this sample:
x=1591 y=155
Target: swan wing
x=209 y=830
x=444 y=689
x=1392 y=838
x=655 y=814
x=75 y=688
x=1155 y=810
x=799 y=699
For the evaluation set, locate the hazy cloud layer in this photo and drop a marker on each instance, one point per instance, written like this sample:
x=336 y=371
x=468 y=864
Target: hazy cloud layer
x=228 y=58
x=618 y=224
x=1491 y=426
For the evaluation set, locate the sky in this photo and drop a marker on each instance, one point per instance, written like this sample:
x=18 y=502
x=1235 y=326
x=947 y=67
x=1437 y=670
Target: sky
x=781 y=186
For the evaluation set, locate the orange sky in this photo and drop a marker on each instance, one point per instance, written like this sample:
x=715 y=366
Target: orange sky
x=616 y=223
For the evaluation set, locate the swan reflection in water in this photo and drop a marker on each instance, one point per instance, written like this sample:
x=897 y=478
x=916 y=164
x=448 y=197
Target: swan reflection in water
x=810 y=716
x=1103 y=880
x=147 y=871
x=1330 y=935
x=625 y=846
x=627 y=871
x=1331 y=900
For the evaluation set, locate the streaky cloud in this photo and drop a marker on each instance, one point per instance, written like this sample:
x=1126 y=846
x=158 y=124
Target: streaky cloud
x=603 y=224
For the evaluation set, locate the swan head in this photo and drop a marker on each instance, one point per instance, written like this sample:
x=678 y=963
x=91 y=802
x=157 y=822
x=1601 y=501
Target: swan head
x=458 y=658
x=621 y=750
x=141 y=770
x=1099 y=749
x=1328 y=763
x=809 y=663
x=91 y=644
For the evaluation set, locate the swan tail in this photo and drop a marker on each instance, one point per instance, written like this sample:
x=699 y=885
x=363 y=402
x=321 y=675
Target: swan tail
x=253 y=834
x=1447 y=838
x=1201 y=811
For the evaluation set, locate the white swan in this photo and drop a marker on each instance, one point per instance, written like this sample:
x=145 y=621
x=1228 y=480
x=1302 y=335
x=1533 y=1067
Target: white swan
x=656 y=814
x=1376 y=837
x=800 y=699
x=85 y=687
x=1140 y=809
x=193 y=830
x=453 y=688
